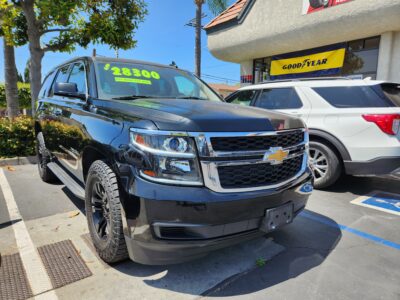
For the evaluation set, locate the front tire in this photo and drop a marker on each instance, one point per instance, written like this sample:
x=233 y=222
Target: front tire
x=103 y=213
x=325 y=163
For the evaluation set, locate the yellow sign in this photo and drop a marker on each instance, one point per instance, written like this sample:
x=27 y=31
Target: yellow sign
x=126 y=74
x=309 y=63
x=134 y=80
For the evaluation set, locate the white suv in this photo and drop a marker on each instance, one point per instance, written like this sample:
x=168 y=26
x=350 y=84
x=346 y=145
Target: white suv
x=354 y=125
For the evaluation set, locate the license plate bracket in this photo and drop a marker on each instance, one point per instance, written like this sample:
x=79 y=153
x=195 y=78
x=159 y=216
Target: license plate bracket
x=277 y=217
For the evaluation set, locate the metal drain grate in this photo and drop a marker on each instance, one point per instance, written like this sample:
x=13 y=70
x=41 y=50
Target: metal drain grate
x=13 y=281
x=63 y=263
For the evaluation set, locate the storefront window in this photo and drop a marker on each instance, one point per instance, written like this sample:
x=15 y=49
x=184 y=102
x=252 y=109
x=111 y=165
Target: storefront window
x=361 y=61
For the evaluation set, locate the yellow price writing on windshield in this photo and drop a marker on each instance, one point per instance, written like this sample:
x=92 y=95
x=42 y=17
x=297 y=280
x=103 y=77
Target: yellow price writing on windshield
x=132 y=72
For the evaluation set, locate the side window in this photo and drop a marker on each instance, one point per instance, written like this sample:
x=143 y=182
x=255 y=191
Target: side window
x=62 y=76
x=242 y=97
x=279 y=98
x=44 y=91
x=353 y=96
x=78 y=76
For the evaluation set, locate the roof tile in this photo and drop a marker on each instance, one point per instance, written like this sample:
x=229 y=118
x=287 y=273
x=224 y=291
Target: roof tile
x=230 y=13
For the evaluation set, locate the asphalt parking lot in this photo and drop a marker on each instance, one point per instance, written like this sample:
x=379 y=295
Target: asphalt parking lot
x=334 y=250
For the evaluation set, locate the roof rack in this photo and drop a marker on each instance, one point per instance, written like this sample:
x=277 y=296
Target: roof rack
x=306 y=79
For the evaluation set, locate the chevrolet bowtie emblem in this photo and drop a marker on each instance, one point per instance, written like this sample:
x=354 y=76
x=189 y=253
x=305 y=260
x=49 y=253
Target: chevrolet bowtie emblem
x=276 y=155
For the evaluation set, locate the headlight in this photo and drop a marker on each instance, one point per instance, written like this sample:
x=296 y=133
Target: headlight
x=170 y=158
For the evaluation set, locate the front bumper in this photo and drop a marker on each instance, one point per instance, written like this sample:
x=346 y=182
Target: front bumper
x=378 y=166
x=170 y=224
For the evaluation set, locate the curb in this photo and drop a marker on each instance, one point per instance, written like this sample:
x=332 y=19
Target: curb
x=16 y=161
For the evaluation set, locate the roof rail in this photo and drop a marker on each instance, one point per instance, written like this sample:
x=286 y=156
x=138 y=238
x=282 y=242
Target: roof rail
x=306 y=79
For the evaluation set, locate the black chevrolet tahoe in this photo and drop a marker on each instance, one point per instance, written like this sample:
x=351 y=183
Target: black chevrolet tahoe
x=167 y=170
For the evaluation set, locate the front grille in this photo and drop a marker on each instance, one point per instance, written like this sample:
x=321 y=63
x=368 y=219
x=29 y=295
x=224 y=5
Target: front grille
x=244 y=176
x=254 y=143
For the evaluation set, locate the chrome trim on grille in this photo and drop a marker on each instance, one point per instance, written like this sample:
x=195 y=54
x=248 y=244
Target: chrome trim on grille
x=210 y=167
x=211 y=179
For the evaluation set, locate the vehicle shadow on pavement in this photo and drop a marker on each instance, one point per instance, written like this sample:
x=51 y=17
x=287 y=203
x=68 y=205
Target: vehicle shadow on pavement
x=364 y=185
x=288 y=253
x=79 y=203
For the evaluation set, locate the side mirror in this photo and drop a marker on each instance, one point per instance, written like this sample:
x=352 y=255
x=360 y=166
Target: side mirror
x=68 y=89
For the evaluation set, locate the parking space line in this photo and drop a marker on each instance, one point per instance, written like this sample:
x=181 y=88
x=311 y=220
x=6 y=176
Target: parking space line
x=362 y=234
x=34 y=268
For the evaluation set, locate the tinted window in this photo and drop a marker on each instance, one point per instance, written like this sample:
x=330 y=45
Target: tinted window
x=285 y=98
x=389 y=90
x=353 y=96
x=242 y=97
x=46 y=85
x=78 y=76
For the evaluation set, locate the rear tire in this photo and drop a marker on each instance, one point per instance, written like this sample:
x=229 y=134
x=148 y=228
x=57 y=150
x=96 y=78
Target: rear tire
x=103 y=213
x=43 y=158
x=326 y=165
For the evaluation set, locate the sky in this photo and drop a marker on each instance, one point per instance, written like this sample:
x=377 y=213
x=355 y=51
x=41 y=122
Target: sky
x=162 y=38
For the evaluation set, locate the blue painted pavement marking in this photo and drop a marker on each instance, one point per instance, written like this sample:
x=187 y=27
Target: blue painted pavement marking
x=385 y=201
x=362 y=234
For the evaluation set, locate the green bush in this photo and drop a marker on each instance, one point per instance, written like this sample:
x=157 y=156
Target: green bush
x=17 y=137
x=24 y=95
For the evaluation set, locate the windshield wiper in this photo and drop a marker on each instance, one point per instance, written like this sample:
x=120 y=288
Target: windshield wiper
x=132 y=97
x=191 y=97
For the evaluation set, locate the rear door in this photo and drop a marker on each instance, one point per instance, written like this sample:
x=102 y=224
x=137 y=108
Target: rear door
x=289 y=100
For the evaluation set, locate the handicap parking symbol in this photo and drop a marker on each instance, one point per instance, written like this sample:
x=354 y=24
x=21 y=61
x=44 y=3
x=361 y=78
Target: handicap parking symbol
x=382 y=201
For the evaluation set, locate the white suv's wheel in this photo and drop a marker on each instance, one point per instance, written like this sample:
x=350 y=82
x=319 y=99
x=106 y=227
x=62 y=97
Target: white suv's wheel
x=326 y=165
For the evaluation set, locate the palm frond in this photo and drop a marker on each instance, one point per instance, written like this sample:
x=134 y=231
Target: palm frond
x=217 y=6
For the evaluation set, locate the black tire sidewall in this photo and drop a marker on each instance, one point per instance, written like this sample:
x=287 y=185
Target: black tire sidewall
x=334 y=165
x=108 y=249
x=43 y=159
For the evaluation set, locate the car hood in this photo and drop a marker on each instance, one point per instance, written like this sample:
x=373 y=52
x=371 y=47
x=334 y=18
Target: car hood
x=204 y=116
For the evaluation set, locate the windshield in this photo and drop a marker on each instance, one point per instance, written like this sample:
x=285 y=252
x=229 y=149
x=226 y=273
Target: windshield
x=119 y=80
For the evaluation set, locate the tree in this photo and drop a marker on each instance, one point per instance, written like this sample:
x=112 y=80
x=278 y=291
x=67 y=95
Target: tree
x=20 y=78
x=11 y=78
x=65 y=24
x=9 y=19
x=216 y=7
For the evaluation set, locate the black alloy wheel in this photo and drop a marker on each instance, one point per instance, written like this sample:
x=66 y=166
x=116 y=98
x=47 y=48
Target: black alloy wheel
x=100 y=210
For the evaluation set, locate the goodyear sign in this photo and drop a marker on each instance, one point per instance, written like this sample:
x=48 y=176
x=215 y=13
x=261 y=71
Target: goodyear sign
x=313 y=64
